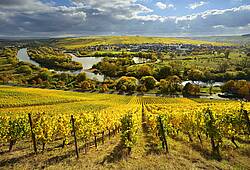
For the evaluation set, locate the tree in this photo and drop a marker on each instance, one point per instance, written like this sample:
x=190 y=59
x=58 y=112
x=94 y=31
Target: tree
x=244 y=91
x=149 y=82
x=171 y=85
x=4 y=79
x=164 y=72
x=175 y=82
x=144 y=70
x=81 y=77
x=195 y=75
x=228 y=87
x=61 y=84
x=141 y=88
x=45 y=75
x=227 y=54
x=191 y=89
x=104 y=88
x=39 y=81
x=164 y=86
x=85 y=85
x=241 y=88
x=109 y=69
x=126 y=84
x=24 y=69
x=46 y=84
x=66 y=77
x=33 y=82
x=223 y=67
x=209 y=77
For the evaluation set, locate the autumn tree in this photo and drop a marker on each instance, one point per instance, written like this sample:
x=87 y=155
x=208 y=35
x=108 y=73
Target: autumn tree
x=126 y=84
x=81 y=77
x=149 y=82
x=191 y=90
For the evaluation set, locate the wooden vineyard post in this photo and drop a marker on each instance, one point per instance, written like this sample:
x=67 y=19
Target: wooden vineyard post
x=95 y=141
x=247 y=119
x=164 y=140
x=32 y=134
x=142 y=109
x=74 y=133
x=102 y=137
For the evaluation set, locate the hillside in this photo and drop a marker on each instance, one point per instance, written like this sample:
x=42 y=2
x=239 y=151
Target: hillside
x=73 y=43
x=246 y=35
x=99 y=123
x=242 y=40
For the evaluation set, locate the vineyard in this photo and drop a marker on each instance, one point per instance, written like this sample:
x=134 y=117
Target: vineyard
x=55 y=129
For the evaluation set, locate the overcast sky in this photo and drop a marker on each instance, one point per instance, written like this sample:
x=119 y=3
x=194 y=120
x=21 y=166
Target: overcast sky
x=46 y=18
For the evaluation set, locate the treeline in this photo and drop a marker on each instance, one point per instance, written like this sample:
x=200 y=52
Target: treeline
x=11 y=70
x=117 y=67
x=221 y=65
x=122 y=54
x=50 y=58
x=112 y=67
x=240 y=88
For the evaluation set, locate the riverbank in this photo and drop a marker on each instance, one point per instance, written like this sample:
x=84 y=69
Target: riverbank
x=87 y=63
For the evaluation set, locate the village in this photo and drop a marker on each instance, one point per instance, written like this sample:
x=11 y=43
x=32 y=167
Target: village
x=187 y=48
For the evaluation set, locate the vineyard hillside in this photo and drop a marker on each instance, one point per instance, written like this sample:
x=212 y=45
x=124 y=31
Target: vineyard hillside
x=55 y=129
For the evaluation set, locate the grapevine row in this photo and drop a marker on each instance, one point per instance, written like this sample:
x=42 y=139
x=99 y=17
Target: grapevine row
x=200 y=122
x=50 y=127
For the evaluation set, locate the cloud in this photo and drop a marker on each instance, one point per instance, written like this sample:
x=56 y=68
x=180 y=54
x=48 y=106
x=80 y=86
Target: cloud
x=118 y=17
x=119 y=9
x=163 y=6
x=212 y=21
x=219 y=26
x=34 y=17
x=27 y=6
x=10 y=3
x=197 y=4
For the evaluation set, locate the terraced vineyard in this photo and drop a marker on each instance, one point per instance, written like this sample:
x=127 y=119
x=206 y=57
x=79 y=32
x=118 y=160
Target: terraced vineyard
x=110 y=131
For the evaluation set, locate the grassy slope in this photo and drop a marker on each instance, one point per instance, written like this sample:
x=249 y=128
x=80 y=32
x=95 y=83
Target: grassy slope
x=73 y=43
x=145 y=155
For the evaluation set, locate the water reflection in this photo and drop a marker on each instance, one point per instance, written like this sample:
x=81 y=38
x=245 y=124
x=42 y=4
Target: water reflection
x=87 y=63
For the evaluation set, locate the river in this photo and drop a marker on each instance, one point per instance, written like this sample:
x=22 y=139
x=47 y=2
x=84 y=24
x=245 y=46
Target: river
x=22 y=55
x=202 y=84
x=87 y=63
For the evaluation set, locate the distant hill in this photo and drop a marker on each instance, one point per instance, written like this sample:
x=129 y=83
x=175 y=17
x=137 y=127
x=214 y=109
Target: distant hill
x=246 y=35
x=73 y=43
x=242 y=40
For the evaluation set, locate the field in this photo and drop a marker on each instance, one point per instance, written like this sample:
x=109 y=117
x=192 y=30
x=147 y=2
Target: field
x=100 y=123
x=74 y=43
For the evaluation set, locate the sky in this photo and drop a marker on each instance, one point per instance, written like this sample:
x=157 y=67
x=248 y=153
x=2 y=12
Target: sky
x=66 y=18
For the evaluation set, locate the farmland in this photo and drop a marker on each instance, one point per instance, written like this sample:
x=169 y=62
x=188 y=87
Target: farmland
x=101 y=131
x=73 y=43
x=124 y=84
